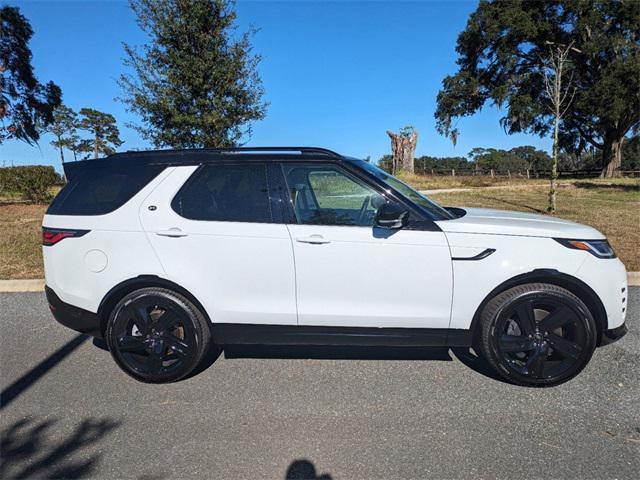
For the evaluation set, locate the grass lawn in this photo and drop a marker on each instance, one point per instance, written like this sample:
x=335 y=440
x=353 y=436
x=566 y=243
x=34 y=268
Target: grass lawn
x=21 y=240
x=613 y=207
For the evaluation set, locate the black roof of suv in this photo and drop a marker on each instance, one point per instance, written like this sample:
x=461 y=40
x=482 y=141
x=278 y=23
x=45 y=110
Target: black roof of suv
x=199 y=155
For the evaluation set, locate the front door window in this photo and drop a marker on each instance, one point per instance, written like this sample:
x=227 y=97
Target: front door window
x=327 y=195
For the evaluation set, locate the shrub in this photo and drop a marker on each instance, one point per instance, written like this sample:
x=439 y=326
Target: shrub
x=32 y=182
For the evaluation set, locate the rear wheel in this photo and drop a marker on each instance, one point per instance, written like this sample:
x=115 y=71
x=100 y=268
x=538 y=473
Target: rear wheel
x=537 y=334
x=157 y=335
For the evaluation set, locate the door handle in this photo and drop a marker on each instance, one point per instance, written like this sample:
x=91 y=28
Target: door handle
x=313 y=239
x=172 y=232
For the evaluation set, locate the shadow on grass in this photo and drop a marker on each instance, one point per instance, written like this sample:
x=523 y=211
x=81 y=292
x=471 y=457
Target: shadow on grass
x=31 y=449
x=608 y=186
x=513 y=204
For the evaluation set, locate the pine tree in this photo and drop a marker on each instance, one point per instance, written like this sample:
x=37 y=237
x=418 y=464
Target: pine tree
x=104 y=132
x=63 y=128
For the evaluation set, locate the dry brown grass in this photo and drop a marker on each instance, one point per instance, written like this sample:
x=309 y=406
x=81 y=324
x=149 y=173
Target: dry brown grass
x=612 y=209
x=428 y=182
x=20 y=243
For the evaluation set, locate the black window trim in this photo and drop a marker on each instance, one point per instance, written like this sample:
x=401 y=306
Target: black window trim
x=418 y=220
x=202 y=165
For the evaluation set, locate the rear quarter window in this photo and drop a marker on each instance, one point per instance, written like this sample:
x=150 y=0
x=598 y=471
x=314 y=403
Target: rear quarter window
x=102 y=189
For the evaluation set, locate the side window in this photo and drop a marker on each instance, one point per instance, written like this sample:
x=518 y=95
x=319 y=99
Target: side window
x=97 y=190
x=226 y=193
x=324 y=194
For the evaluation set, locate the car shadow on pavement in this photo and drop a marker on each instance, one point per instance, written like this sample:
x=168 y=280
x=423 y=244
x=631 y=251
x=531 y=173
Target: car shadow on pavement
x=331 y=352
x=304 y=470
x=476 y=363
x=30 y=451
x=342 y=352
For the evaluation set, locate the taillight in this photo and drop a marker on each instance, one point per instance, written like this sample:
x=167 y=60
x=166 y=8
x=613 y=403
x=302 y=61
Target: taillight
x=51 y=236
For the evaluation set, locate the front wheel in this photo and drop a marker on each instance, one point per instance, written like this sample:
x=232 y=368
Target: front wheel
x=157 y=335
x=537 y=334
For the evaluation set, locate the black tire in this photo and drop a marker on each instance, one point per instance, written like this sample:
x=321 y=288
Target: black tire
x=157 y=335
x=537 y=335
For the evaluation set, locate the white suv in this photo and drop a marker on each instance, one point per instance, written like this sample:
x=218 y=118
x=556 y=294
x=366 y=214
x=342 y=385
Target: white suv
x=167 y=254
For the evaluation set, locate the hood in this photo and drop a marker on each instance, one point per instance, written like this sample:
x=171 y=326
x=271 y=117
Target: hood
x=502 y=222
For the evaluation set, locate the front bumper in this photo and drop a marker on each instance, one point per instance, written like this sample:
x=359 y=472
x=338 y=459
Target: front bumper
x=77 y=319
x=613 y=335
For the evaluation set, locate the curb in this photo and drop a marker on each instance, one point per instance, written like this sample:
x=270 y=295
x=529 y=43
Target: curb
x=37 y=285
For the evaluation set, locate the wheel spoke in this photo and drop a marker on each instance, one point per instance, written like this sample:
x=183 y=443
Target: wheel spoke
x=515 y=344
x=154 y=362
x=535 y=364
x=177 y=345
x=526 y=317
x=564 y=347
x=167 y=320
x=559 y=317
x=131 y=343
x=142 y=319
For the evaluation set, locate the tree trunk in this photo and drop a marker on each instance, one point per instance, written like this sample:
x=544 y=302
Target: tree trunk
x=403 y=149
x=96 y=150
x=612 y=158
x=554 y=168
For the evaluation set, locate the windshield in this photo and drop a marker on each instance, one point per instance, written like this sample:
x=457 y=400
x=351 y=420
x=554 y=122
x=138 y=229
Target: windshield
x=436 y=211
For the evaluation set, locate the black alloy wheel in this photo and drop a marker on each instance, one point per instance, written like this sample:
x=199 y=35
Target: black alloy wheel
x=157 y=336
x=537 y=335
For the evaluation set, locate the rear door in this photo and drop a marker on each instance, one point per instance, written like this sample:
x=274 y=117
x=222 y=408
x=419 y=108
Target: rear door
x=214 y=231
x=350 y=273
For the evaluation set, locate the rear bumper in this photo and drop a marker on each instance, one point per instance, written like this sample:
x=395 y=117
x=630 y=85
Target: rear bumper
x=77 y=319
x=613 y=335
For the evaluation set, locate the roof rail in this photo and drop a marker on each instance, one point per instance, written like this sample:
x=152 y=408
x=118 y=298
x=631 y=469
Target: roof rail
x=302 y=150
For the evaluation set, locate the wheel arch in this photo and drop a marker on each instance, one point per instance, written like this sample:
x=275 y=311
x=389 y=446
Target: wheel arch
x=125 y=287
x=576 y=286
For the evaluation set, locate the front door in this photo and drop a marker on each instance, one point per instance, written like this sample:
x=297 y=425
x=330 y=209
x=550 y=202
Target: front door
x=350 y=273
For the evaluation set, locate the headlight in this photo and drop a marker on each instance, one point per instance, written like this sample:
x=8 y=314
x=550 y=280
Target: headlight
x=599 y=248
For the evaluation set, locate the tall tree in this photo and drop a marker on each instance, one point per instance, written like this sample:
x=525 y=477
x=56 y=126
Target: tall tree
x=104 y=131
x=196 y=83
x=500 y=60
x=26 y=105
x=63 y=128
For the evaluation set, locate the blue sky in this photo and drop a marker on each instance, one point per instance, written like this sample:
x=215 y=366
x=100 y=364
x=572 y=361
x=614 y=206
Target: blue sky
x=336 y=74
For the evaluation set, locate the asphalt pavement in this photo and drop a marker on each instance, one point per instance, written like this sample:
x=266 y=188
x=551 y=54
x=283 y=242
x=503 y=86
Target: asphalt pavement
x=293 y=413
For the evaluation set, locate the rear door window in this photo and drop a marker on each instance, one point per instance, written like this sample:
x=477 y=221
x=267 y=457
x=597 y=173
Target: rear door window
x=226 y=193
x=97 y=190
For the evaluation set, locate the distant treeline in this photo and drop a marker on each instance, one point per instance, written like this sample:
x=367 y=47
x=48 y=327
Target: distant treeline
x=520 y=159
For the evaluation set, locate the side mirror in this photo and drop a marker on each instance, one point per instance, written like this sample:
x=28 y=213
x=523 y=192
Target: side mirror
x=391 y=216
